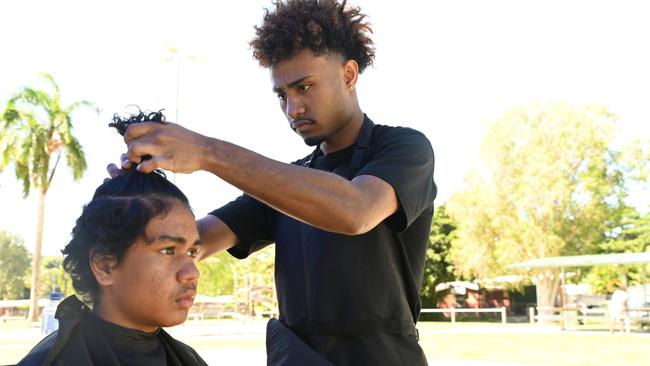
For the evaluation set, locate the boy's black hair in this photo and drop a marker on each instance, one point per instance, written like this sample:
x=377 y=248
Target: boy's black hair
x=116 y=217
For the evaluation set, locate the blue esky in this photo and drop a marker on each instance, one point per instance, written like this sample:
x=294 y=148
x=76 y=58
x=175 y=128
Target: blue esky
x=443 y=67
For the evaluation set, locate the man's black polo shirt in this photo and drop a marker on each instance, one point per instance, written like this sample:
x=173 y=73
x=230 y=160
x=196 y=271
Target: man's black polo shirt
x=347 y=295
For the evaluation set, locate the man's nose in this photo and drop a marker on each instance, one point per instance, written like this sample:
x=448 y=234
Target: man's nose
x=295 y=107
x=188 y=272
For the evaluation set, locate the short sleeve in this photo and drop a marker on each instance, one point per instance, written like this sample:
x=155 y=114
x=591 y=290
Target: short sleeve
x=252 y=222
x=403 y=158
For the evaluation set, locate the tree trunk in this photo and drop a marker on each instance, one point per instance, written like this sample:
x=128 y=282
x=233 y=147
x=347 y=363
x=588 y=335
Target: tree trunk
x=36 y=264
x=546 y=288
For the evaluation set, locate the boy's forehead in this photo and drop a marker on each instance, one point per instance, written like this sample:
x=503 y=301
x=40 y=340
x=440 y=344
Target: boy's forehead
x=179 y=223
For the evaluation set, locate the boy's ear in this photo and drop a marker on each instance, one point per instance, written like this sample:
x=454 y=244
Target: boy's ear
x=102 y=266
x=350 y=73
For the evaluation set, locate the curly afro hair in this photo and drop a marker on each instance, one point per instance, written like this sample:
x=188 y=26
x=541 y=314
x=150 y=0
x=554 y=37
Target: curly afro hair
x=321 y=26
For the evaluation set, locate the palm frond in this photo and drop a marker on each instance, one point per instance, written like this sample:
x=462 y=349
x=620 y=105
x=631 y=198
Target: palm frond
x=22 y=175
x=32 y=97
x=8 y=147
x=55 y=86
x=34 y=125
x=81 y=103
x=10 y=116
x=75 y=158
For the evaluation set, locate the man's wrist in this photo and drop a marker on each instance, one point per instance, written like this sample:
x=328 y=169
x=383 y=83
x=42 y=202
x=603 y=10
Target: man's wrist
x=209 y=156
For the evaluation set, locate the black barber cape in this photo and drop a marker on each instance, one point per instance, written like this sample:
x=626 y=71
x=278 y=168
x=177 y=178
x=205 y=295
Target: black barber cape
x=85 y=339
x=354 y=299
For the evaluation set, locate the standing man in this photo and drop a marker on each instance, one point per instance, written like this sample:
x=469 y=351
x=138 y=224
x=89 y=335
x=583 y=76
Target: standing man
x=350 y=221
x=618 y=308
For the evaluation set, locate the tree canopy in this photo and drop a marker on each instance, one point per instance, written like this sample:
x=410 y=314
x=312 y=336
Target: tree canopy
x=14 y=262
x=438 y=266
x=551 y=186
x=35 y=126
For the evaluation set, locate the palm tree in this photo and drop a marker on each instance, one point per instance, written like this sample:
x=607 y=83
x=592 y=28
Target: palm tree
x=35 y=131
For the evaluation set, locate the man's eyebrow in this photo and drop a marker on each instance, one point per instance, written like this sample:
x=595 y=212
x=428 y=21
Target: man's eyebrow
x=292 y=84
x=178 y=239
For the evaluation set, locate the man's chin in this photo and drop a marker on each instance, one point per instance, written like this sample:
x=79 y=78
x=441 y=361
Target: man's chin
x=176 y=319
x=313 y=141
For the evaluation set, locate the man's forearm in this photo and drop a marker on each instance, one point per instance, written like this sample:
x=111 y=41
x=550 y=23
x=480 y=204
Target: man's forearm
x=318 y=198
x=215 y=235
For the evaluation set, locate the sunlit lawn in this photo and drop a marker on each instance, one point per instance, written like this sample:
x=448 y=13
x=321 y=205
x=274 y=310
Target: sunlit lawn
x=511 y=343
x=514 y=344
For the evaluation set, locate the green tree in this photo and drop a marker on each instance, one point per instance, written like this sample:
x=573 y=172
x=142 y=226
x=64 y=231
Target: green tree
x=14 y=262
x=633 y=235
x=217 y=275
x=636 y=158
x=35 y=132
x=438 y=267
x=53 y=276
x=551 y=186
x=254 y=280
x=251 y=281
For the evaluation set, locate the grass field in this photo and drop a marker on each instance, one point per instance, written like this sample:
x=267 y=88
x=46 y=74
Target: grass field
x=523 y=344
x=444 y=343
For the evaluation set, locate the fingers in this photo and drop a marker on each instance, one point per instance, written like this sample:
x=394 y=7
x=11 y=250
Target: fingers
x=137 y=130
x=152 y=164
x=152 y=146
x=143 y=142
x=126 y=163
x=113 y=171
x=146 y=157
x=139 y=151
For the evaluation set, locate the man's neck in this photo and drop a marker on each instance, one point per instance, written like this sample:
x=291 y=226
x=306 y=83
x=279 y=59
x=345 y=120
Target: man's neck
x=108 y=314
x=346 y=136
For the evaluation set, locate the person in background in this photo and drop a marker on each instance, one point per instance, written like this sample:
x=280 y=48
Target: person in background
x=618 y=308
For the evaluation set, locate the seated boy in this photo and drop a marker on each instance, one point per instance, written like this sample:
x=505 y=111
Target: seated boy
x=132 y=257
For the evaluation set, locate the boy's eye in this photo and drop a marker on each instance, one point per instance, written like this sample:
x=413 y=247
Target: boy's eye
x=282 y=97
x=168 y=251
x=193 y=252
x=304 y=88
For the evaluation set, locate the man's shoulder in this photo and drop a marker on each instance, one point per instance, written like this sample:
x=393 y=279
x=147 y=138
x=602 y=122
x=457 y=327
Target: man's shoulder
x=187 y=354
x=39 y=353
x=69 y=313
x=303 y=161
x=386 y=134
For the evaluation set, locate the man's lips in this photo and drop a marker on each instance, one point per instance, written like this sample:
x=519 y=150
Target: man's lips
x=187 y=299
x=301 y=125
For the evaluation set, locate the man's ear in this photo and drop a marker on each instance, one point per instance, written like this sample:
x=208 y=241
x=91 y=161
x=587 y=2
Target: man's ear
x=350 y=73
x=102 y=266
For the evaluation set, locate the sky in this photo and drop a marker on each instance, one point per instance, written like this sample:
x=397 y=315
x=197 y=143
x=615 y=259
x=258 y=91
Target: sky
x=446 y=68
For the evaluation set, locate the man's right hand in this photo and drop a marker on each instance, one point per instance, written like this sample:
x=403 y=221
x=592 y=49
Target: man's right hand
x=169 y=146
